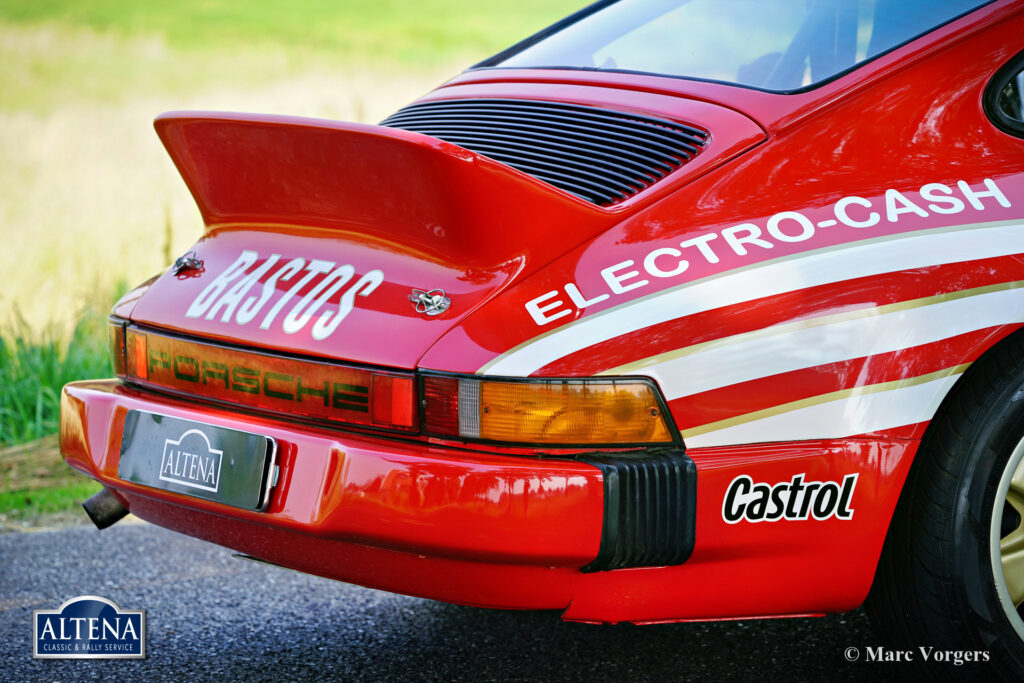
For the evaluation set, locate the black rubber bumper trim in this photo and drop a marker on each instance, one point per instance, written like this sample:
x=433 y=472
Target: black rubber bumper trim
x=650 y=508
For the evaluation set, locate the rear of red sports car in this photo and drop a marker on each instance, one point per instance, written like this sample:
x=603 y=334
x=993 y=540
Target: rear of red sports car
x=643 y=319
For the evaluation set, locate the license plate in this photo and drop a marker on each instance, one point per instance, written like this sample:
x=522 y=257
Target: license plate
x=214 y=463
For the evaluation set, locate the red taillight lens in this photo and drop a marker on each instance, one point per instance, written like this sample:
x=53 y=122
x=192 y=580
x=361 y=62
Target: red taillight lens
x=289 y=386
x=393 y=401
x=441 y=405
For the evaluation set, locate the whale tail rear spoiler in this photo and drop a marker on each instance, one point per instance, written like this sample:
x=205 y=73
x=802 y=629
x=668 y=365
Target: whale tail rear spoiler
x=417 y=192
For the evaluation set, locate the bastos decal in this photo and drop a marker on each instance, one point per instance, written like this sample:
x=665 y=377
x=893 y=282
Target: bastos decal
x=217 y=301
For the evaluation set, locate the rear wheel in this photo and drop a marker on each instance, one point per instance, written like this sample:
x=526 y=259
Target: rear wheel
x=1006 y=539
x=950 y=583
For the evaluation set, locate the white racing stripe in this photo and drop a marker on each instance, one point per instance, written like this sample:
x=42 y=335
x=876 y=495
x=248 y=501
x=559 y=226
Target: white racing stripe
x=791 y=347
x=858 y=413
x=821 y=267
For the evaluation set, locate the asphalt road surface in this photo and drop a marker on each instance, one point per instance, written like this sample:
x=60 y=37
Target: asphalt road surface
x=211 y=616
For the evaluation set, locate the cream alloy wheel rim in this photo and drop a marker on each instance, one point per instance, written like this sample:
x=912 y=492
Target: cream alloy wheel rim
x=1008 y=549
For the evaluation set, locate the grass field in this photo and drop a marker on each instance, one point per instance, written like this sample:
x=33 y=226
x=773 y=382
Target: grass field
x=35 y=364
x=38 y=489
x=87 y=195
x=382 y=30
x=89 y=200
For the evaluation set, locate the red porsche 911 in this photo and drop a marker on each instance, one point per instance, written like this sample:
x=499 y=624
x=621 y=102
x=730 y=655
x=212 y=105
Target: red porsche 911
x=673 y=311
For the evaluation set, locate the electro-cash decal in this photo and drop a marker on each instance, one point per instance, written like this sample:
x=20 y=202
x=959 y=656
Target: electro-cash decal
x=809 y=341
x=785 y=227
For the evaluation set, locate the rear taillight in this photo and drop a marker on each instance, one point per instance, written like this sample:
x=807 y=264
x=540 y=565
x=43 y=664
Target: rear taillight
x=565 y=412
x=394 y=401
x=136 y=363
x=522 y=412
x=115 y=337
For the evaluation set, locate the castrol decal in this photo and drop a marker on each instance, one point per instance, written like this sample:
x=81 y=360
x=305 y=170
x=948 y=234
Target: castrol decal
x=246 y=293
x=793 y=500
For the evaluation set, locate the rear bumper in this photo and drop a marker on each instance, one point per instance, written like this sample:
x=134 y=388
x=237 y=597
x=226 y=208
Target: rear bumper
x=512 y=531
x=367 y=510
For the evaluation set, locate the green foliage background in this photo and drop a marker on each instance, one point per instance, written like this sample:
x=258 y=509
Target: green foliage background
x=88 y=199
x=390 y=30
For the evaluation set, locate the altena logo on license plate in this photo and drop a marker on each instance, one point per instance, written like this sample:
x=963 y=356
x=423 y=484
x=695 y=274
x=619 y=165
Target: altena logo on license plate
x=206 y=461
x=191 y=461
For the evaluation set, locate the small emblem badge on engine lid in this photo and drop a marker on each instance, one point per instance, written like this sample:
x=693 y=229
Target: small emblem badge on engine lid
x=432 y=302
x=187 y=266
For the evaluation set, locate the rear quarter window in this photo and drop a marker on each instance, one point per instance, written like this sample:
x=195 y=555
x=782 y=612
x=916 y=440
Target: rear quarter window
x=1004 y=97
x=776 y=45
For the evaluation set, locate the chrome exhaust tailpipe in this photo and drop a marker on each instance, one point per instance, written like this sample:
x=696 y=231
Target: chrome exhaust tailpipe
x=104 y=509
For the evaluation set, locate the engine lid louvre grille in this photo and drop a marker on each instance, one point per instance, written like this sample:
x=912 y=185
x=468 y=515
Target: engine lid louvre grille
x=600 y=155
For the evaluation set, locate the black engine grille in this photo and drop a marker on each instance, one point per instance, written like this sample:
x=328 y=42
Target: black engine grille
x=600 y=155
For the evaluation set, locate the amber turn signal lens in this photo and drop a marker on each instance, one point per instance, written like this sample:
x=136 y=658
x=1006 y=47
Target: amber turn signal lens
x=115 y=337
x=570 y=413
x=562 y=412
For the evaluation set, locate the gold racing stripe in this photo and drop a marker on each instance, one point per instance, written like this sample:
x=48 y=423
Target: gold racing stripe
x=784 y=328
x=824 y=398
x=589 y=319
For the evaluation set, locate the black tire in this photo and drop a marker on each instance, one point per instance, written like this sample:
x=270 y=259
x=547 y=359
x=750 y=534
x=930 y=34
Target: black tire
x=941 y=582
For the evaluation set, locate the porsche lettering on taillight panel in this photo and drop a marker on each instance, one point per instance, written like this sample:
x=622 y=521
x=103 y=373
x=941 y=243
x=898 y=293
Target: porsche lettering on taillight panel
x=264 y=381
